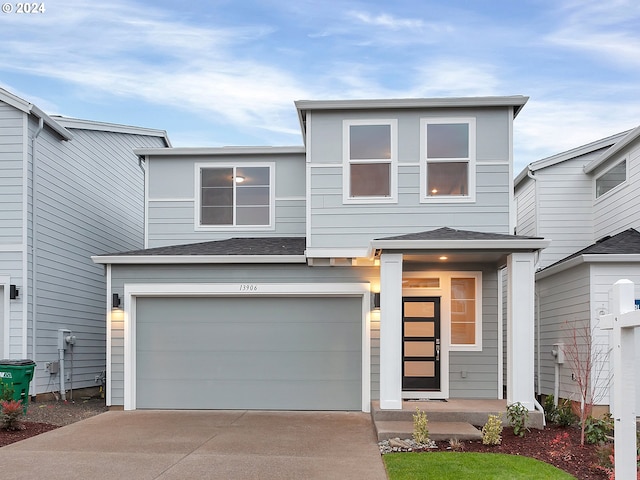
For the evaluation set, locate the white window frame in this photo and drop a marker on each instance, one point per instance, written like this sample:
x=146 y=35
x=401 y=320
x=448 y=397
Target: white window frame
x=347 y=162
x=477 y=346
x=617 y=187
x=471 y=161
x=198 y=167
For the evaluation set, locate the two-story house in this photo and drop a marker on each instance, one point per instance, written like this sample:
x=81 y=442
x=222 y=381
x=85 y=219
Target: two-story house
x=365 y=265
x=68 y=188
x=585 y=201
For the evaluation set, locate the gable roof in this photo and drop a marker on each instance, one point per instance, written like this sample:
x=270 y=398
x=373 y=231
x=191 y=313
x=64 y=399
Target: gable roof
x=232 y=250
x=607 y=249
x=603 y=143
x=80 y=124
x=29 y=108
x=630 y=137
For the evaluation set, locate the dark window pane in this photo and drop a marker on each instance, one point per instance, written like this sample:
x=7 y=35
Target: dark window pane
x=370 y=180
x=253 y=175
x=252 y=216
x=611 y=179
x=216 y=177
x=447 y=178
x=369 y=142
x=217 y=197
x=447 y=140
x=217 y=215
x=252 y=195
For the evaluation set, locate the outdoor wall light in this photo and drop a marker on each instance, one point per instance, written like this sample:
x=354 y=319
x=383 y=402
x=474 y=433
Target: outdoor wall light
x=13 y=292
x=115 y=301
x=376 y=301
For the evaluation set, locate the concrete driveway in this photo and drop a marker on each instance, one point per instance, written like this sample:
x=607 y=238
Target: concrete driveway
x=201 y=445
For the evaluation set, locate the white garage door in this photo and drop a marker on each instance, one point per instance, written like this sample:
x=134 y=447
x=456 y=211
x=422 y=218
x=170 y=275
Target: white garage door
x=301 y=353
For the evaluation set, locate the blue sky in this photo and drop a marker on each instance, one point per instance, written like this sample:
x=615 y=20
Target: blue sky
x=221 y=72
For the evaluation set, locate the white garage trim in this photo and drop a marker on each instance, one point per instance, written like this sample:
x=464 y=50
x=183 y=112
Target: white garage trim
x=132 y=291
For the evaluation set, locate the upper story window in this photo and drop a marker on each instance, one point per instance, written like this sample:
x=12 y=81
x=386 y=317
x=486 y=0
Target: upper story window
x=370 y=156
x=610 y=179
x=448 y=158
x=235 y=196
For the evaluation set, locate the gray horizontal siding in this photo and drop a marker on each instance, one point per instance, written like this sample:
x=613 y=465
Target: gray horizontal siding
x=11 y=266
x=172 y=223
x=12 y=142
x=90 y=201
x=333 y=225
x=564 y=303
x=620 y=208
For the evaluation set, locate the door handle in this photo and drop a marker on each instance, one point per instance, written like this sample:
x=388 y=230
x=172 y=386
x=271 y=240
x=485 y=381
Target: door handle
x=437 y=352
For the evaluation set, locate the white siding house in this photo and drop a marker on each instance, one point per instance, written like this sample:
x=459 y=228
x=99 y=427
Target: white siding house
x=68 y=188
x=361 y=266
x=585 y=201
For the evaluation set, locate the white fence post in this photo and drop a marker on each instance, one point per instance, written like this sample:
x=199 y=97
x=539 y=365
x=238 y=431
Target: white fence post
x=623 y=320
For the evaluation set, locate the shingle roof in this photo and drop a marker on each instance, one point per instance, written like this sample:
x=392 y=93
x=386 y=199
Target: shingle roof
x=446 y=233
x=231 y=246
x=624 y=243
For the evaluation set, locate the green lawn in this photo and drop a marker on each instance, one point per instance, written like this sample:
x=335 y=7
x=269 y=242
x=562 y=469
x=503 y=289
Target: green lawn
x=455 y=466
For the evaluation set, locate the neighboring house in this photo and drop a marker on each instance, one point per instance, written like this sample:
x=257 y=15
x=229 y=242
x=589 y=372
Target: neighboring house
x=68 y=188
x=586 y=202
x=363 y=266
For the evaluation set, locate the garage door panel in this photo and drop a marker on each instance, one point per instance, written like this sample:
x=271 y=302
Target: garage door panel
x=224 y=337
x=256 y=366
x=250 y=352
x=283 y=395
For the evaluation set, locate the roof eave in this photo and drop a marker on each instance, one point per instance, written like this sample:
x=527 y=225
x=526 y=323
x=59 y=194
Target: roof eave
x=630 y=137
x=515 y=101
x=81 y=124
x=586 y=258
x=187 y=151
x=194 y=259
x=486 y=245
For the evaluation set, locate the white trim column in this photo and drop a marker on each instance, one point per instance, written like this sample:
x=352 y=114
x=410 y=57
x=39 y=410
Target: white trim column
x=391 y=331
x=520 y=329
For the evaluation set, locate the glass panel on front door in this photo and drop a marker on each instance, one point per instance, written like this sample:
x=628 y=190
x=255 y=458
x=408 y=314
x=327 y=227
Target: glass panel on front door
x=421 y=343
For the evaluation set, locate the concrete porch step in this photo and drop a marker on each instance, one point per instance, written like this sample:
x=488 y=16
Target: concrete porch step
x=438 y=431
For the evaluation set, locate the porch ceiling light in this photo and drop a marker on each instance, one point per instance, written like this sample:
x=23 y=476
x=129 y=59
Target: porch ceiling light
x=444 y=257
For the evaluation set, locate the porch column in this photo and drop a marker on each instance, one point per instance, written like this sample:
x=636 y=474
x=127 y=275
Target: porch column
x=390 y=331
x=520 y=329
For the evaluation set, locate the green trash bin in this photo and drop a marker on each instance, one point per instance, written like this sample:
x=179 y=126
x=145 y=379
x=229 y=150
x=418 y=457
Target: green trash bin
x=17 y=374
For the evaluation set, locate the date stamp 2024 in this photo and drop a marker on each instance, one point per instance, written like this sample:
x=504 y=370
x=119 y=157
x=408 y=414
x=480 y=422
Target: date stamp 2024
x=23 y=8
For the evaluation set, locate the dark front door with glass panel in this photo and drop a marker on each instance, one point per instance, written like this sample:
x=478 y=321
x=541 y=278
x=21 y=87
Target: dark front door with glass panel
x=421 y=343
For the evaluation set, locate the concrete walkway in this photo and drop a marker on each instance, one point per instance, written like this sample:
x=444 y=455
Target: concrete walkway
x=201 y=444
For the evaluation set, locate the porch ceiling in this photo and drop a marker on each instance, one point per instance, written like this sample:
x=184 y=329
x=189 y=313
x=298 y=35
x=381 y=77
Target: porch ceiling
x=453 y=257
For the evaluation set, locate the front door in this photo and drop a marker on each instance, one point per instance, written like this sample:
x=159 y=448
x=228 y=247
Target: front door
x=421 y=343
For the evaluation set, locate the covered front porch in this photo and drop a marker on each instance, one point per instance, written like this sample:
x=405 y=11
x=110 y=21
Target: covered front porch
x=454 y=418
x=456 y=319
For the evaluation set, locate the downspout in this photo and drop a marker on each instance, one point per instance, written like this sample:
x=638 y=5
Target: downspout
x=34 y=240
x=531 y=175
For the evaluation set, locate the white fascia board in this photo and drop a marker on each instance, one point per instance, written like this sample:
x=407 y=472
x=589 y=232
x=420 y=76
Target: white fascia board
x=506 y=245
x=517 y=101
x=629 y=137
x=81 y=124
x=193 y=259
x=588 y=258
x=337 y=253
x=186 y=151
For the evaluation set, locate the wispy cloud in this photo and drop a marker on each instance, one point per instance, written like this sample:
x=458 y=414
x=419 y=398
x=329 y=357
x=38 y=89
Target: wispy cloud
x=120 y=49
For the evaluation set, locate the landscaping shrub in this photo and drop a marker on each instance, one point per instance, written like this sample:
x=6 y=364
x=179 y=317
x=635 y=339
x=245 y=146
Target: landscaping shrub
x=420 y=427
x=518 y=416
x=597 y=429
x=11 y=416
x=491 y=431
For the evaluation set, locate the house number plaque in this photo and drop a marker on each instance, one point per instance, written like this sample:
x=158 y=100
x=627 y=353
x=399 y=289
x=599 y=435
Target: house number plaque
x=248 y=287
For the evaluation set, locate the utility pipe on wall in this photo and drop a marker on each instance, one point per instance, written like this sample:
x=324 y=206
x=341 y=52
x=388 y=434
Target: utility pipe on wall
x=34 y=242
